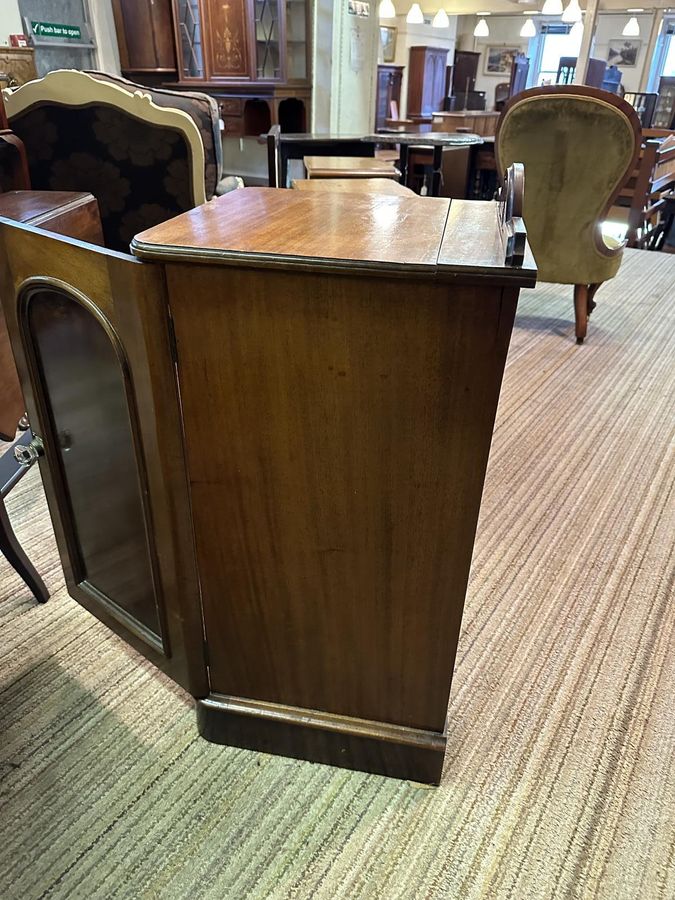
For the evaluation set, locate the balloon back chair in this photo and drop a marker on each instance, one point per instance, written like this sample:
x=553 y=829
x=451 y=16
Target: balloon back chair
x=579 y=145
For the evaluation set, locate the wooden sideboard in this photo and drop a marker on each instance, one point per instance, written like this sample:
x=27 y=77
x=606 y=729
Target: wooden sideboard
x=304 y=518
x=482 y=123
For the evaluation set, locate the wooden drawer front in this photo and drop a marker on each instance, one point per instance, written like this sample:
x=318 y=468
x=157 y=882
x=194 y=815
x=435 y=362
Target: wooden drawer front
x=231 y=107
x=234 y=126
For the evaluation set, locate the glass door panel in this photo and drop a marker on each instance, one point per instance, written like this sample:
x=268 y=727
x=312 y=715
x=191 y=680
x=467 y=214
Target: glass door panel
x=296 y=40
x=267 y=40
x=84 y=392
x=190 y=30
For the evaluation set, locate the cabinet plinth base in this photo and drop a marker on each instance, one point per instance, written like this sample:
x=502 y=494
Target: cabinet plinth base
x=350 y=743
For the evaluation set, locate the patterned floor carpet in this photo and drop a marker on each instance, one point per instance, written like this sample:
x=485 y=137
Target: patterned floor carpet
x=560 y=777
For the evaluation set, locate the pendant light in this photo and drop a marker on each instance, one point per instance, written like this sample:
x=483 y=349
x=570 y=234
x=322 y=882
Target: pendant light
x=415 y=15
x=577 y=30
x=631 y=28
x=481 y=29
x=387 y=10
x=552 y=8
x=528 y=30
x=572 y=12
x=441 y=19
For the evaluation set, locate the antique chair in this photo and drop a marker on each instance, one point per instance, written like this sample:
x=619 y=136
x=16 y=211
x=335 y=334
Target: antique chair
x=146 y=155
x=579 y=145
x=642 y=200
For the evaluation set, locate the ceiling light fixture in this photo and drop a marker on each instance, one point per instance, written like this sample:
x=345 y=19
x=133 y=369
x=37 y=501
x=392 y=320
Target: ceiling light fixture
x=528 y=30
x=552 y=8
x=631 y=28
x=415 y=15
x=577 y=30
x=572 y=12
x=481 y=29
x=387 y=10
x=441 y=19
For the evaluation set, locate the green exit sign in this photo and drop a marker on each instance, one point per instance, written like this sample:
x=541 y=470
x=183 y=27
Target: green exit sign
x=53 y=30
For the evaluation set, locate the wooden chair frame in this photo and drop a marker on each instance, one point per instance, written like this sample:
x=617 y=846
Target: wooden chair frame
x=69 y=87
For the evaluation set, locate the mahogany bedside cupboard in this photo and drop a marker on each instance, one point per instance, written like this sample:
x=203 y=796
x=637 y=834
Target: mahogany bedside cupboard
x=294 y=395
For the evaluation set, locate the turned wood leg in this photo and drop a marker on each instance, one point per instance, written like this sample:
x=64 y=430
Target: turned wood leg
x=592 y=289
x=580 y=311
x=13 y=552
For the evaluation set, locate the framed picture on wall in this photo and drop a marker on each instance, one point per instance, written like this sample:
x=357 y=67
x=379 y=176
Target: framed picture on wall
x=497 y=59
x=623 y=52
x=388 y=40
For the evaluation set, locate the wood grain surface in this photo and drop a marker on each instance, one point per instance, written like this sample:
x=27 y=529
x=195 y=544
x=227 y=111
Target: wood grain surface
x=353 y=186
x=337 y=436
x=334 y=231
x=349 y=167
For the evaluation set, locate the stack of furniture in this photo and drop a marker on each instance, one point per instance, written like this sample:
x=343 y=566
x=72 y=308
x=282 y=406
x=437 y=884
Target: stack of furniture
x=251 y=55
x=664 y=112
x=643 y=198
x=317 y=553
x=566 y=199
x=145 y=155
x=644 y=105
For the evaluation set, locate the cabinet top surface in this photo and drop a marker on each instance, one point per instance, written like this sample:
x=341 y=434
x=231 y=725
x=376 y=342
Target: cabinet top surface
x=373 y=233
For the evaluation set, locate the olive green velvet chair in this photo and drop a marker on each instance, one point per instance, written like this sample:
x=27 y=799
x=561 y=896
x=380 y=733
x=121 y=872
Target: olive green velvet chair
x=579 y=145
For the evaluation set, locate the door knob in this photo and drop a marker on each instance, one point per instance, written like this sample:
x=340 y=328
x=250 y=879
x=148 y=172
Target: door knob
x=27 y=454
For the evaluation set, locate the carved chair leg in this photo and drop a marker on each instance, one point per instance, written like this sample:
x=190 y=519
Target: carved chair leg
x=13 y=552
x=592 y=289
x=581 y=303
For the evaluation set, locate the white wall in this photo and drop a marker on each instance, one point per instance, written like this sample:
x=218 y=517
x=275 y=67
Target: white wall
x=353 y=84
x=609 y=28
x=10 y=20
x=419 y=36
x=505 y=30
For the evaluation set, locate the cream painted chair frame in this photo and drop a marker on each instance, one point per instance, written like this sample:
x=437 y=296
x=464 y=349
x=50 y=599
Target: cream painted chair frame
x=73 y=88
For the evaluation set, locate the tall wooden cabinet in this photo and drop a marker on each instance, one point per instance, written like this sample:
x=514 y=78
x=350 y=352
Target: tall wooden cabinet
x=388 y=89
x=426 y=80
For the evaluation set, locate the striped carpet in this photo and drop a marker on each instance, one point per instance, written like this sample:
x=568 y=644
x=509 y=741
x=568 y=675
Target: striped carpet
x=559 y=779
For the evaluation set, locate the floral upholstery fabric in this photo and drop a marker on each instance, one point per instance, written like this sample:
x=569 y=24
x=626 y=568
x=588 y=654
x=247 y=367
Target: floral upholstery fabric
x=139 y=173
x=201 y=108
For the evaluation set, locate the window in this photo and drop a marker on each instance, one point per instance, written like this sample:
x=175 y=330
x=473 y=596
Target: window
x=554 y=41
x=663 y=62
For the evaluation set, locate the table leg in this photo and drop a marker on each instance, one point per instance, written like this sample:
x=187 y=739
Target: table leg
x=15 y=556
x=436 y=175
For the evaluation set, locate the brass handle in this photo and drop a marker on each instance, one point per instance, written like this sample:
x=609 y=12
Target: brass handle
x=27 y=454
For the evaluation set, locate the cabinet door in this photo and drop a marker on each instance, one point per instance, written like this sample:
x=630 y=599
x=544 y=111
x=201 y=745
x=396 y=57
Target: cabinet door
x=227 y=39
x=145 y=35
x=91 y=336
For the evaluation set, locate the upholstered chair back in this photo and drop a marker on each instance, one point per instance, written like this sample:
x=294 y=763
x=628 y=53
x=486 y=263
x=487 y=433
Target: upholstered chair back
x=204 y=112
x=144 y=163
x=578 y=146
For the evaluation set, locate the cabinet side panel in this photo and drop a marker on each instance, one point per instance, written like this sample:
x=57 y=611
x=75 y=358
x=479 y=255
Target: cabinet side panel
x=337 y=434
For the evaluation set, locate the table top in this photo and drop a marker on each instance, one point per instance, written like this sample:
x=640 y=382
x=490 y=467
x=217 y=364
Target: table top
x=431 y=138
x=349 y=167
x=460 y=113
x=354 y=186
x=352 y=234
x=33 y=207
